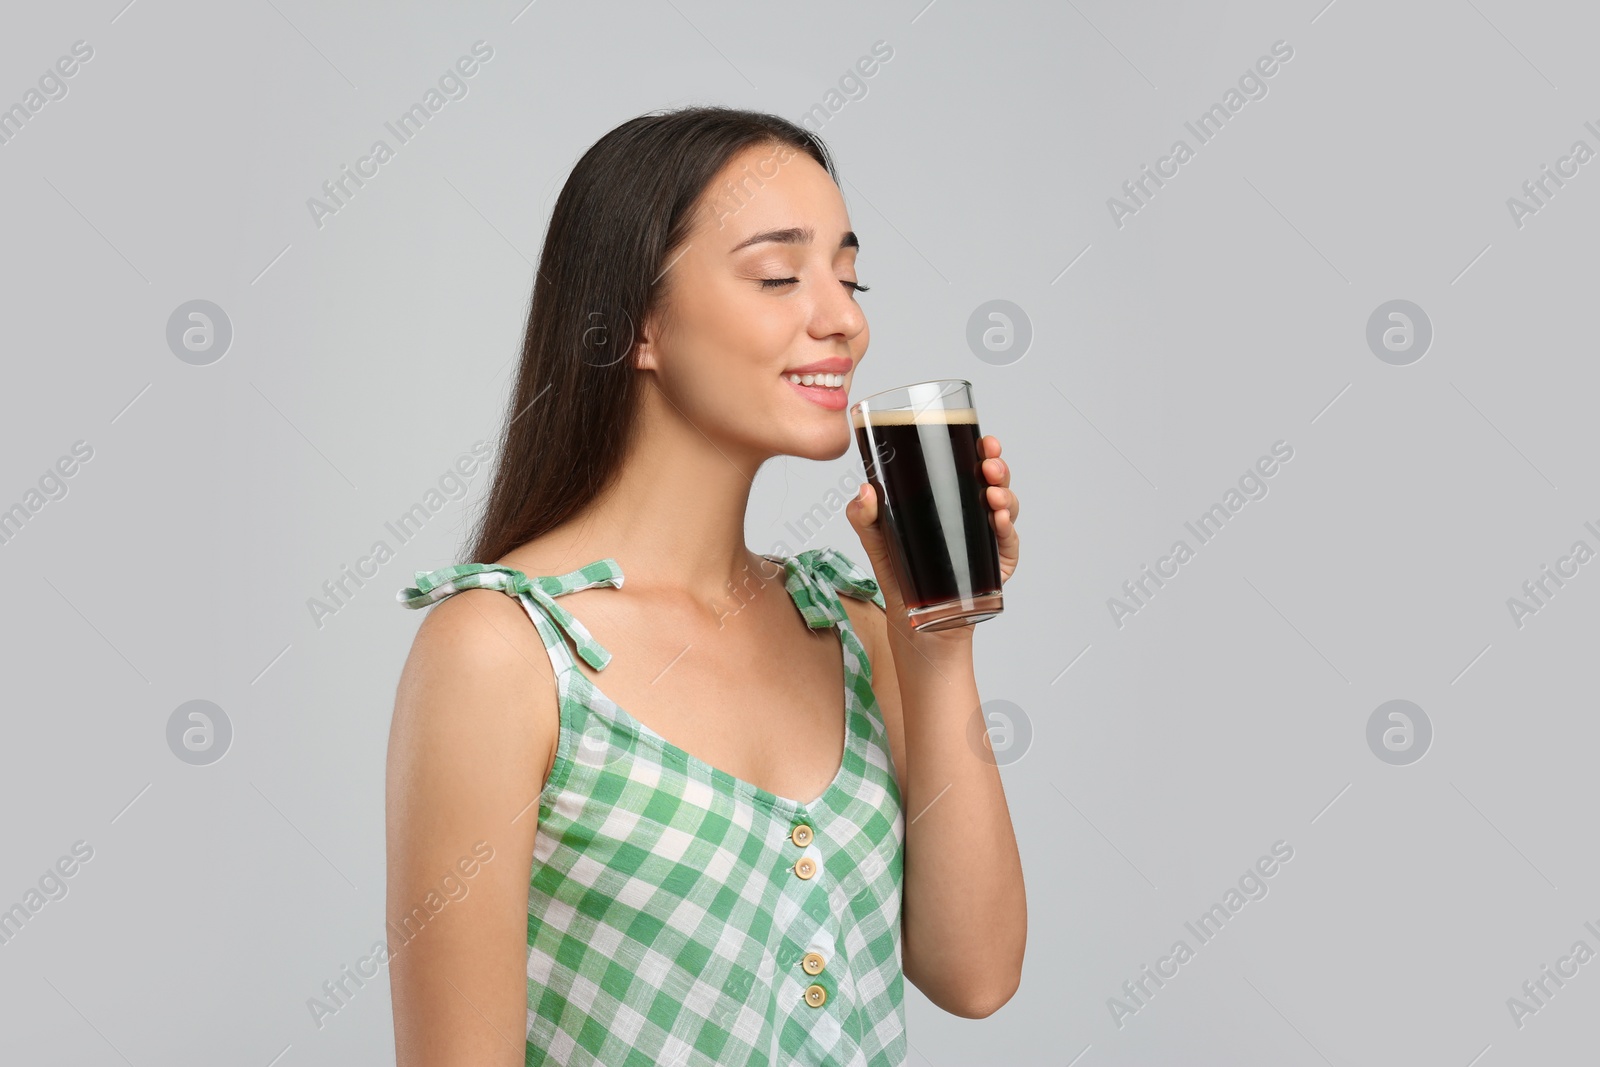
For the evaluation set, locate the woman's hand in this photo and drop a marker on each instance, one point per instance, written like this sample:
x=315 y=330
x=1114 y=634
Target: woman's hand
x=1003 y=501
x=863 y=515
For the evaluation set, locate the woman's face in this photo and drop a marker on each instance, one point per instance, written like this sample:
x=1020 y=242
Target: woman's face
x=763 y=287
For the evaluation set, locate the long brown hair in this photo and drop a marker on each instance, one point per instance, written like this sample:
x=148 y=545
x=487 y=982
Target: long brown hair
x=627 y=206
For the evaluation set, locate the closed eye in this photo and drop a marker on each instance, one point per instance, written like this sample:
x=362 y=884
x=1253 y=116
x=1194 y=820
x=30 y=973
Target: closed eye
x=773 y=283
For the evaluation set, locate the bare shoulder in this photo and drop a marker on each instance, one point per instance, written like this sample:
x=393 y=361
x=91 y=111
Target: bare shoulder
x=474 y=729
x=478 y=637
x=477 y=685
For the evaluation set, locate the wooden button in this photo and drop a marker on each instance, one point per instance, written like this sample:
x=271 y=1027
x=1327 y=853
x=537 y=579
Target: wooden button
x=806 y=867
x=801 y=835
x=816 y=995
x=812 y=963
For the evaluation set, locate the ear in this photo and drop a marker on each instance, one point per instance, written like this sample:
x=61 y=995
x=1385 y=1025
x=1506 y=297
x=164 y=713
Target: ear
x=645 y=355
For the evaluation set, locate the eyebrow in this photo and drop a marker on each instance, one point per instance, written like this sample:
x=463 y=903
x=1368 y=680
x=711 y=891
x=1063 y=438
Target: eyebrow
x=795 y=235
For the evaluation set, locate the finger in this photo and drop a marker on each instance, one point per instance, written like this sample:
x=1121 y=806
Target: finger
x=1015 y=507
x=1001 y=499
x=998 y=471
x=865 y=504
x=1005 y=528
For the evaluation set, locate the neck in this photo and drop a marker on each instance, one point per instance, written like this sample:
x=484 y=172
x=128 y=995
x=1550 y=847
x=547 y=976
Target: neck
x=675 y=516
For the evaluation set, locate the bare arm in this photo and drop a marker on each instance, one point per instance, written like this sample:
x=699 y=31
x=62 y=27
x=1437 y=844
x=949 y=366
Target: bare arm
x=475 y=727
x=964 y=923
x=964 y=926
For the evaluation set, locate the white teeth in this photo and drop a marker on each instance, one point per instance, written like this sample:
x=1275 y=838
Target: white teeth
x=826 y=381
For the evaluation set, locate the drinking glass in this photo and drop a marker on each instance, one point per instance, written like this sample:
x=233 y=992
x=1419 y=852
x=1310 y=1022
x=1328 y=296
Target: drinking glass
x=919 y=445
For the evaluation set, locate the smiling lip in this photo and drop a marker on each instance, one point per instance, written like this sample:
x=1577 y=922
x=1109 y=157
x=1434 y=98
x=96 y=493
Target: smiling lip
x=835 y=365
x=832 y=399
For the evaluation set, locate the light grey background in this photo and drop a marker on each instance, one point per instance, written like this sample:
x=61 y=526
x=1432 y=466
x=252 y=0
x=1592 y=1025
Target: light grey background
x=1168 y=353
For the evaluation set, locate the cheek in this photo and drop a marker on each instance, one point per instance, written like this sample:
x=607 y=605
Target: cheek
x=730 y=344
x=745 y=342
x=733 y=320
x=722 y=375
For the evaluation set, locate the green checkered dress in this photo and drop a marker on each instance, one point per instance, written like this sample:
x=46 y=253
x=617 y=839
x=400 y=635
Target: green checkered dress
x=680 y=916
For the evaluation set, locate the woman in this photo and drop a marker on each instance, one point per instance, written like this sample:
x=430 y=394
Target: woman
x=654 y=892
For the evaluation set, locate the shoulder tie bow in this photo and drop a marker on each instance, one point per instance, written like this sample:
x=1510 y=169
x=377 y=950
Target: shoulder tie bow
x=434 y=586
x=821 y=571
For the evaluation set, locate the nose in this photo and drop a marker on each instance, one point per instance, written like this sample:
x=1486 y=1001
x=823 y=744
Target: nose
x=837 y=314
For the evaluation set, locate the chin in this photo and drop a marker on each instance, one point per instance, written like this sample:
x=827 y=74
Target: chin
x=818 y=444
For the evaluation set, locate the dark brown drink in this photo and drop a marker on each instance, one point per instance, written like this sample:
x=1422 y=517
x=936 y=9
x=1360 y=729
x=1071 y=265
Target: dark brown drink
x=927 y=471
